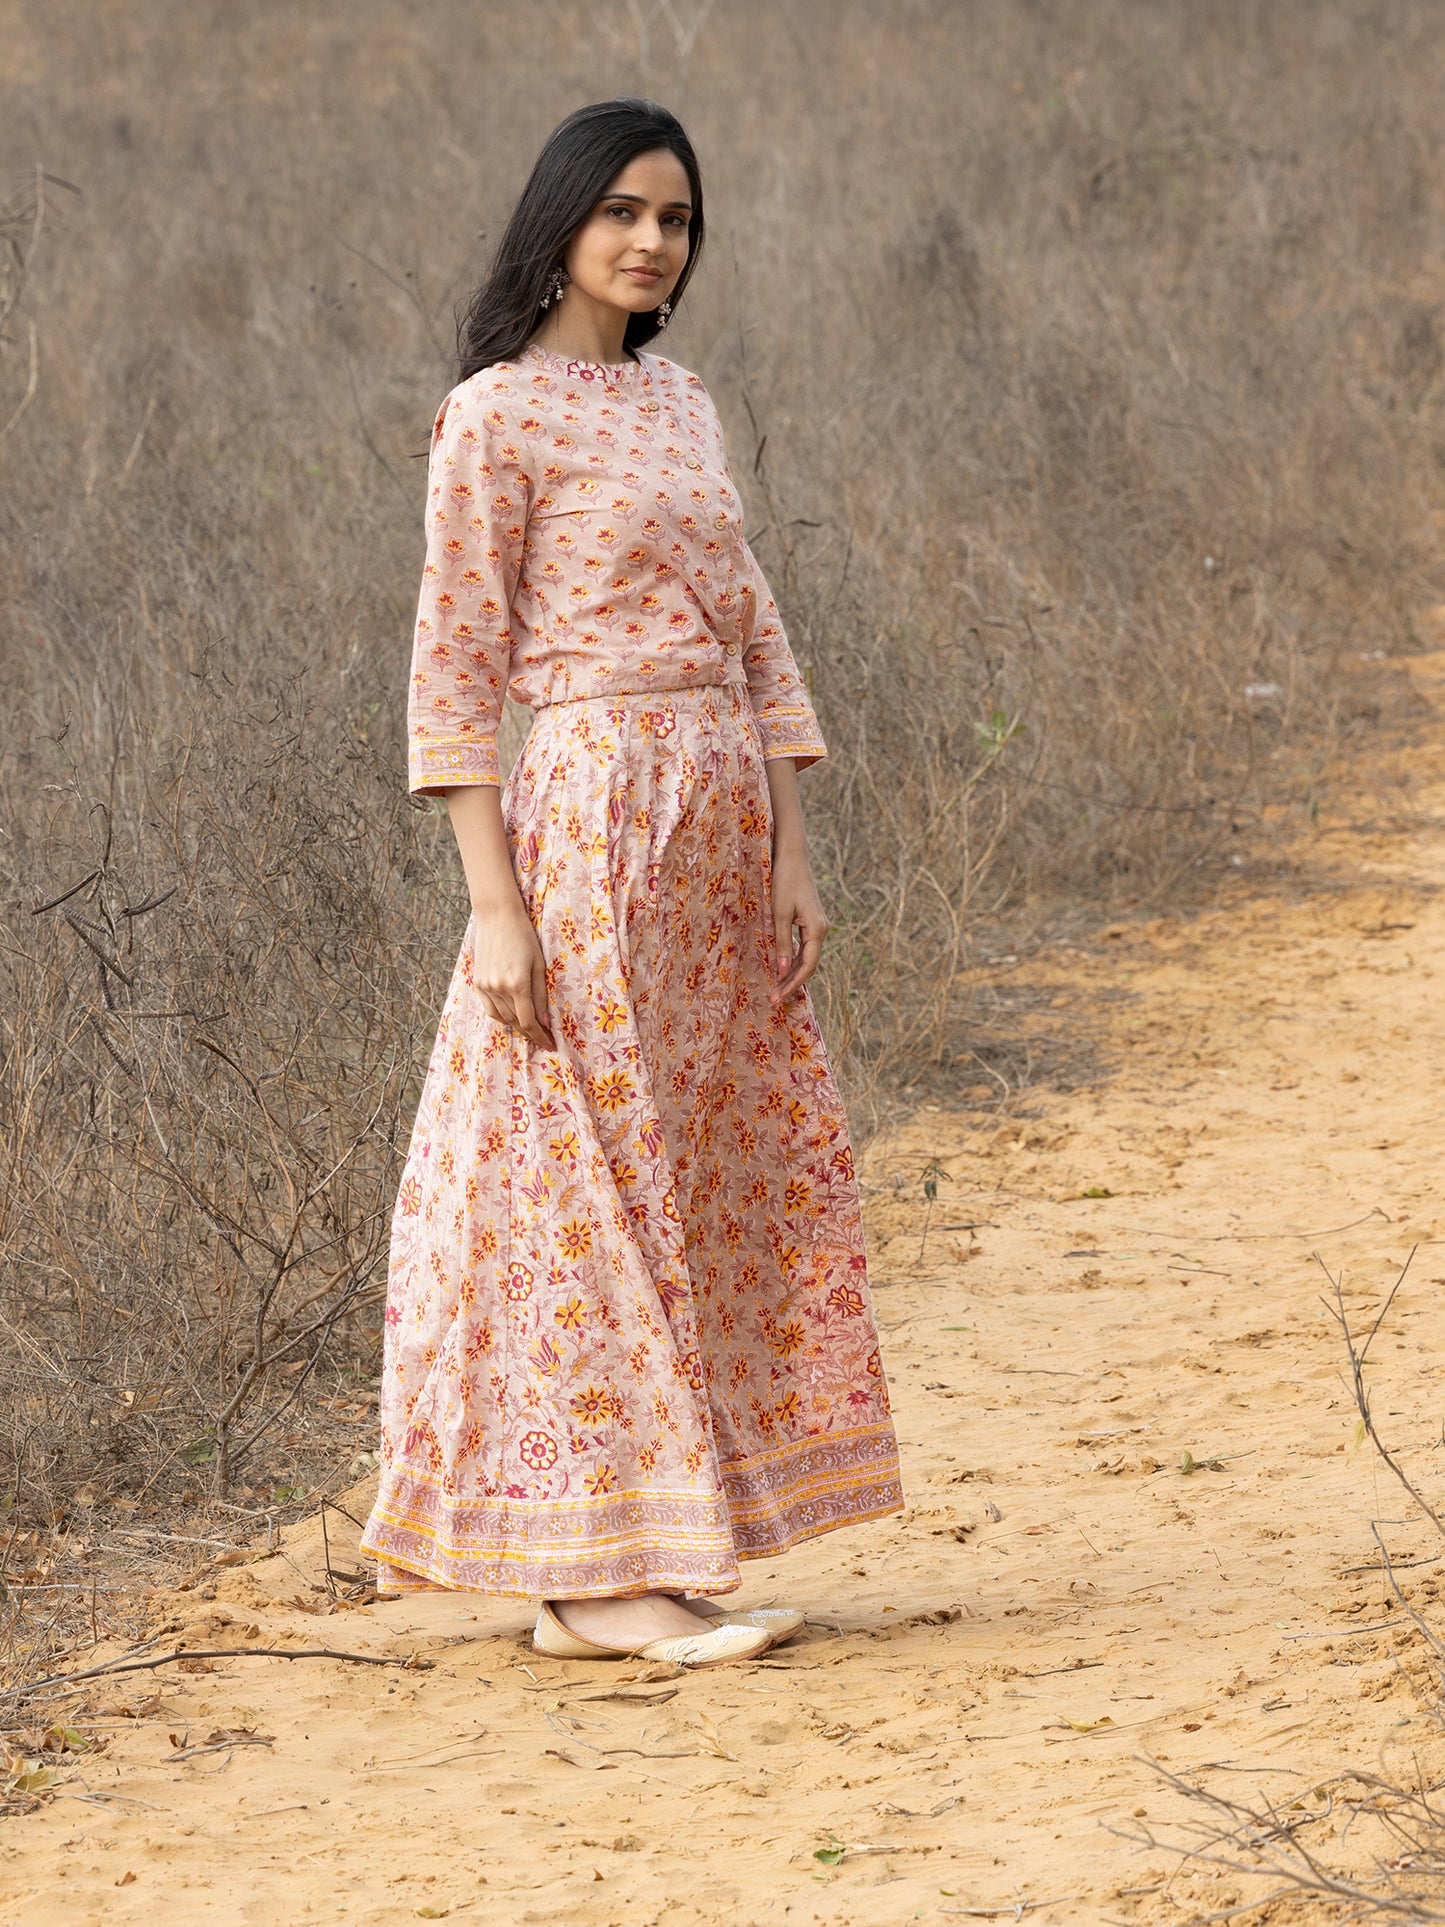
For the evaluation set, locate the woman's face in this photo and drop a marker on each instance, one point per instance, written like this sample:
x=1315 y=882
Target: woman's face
x=633 y=246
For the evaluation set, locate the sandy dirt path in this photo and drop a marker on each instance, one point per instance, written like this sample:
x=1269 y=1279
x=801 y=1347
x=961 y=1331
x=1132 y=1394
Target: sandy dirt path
x=974 y=1709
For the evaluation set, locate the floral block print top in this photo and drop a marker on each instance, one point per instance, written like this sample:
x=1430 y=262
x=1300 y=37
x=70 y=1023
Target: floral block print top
x=584 y=539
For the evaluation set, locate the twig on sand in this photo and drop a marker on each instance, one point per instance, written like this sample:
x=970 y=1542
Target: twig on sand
x=412 y=1663
x=1357 y=1359
x=1015 y=1911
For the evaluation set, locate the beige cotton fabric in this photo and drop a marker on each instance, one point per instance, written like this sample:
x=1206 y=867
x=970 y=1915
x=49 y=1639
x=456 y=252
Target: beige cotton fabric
x=629 y=1337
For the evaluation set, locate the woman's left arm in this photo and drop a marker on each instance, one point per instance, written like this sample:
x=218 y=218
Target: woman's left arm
x=796 y=903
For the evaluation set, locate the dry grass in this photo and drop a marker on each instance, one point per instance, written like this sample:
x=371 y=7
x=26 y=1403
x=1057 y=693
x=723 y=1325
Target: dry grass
x=1083 y=370
x=1371 y=1844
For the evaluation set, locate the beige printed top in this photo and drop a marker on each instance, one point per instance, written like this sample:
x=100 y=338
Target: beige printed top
x=584 y=539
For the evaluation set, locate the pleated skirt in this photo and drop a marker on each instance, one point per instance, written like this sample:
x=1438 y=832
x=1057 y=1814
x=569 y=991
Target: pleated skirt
x=629 y=1340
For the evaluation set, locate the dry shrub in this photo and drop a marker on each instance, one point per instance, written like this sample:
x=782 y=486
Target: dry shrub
x=1369 y=1841
x=1082 y=367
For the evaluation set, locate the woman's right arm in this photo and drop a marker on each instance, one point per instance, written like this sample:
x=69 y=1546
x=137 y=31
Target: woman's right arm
x=479 y=490
x=508 y=967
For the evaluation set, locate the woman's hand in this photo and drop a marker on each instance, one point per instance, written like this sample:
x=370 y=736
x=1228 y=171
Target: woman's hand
x=796 y=903
x=508 y=969
x=510 y=972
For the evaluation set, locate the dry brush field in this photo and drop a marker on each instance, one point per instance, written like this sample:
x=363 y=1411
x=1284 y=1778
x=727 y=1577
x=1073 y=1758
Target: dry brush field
x=1082 y=366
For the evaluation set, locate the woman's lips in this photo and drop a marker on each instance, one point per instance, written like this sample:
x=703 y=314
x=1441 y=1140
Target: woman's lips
x=647 y=276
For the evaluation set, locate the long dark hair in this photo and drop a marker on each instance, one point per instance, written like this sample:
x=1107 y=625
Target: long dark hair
x=581 y=159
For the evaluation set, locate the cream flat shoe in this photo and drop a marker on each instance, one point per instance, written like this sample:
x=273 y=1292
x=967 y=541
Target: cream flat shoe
x=712 y=1648
x=778 y=1622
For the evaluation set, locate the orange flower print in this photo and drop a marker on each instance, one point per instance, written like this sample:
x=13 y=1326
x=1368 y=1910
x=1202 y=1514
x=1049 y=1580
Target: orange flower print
x=480 y=1342
x=597 y=1404
x=788 y=1338
x=630 y=1264
x=544 y=1356
x=612 y=1091
x=574 y=1239
x=611 y=1014
x=518 y=1284
x=537 y=1450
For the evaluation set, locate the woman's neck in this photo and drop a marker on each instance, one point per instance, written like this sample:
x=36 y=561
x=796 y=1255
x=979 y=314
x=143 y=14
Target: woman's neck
x=583 y=329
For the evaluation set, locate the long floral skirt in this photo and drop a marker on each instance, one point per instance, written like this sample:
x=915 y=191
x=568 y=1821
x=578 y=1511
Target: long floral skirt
x=629 y=1340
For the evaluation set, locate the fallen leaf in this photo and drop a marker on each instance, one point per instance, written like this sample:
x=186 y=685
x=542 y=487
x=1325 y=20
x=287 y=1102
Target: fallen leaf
x=711 y=1739
x=1089 y=1726
x=62 y=1739
x=27 y=1776
x=125 y=1880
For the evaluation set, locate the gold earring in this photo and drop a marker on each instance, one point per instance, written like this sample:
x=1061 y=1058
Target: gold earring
x=555 y=288
x=664 y=313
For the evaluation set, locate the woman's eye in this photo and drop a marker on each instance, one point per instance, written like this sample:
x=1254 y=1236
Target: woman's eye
x=619 y=210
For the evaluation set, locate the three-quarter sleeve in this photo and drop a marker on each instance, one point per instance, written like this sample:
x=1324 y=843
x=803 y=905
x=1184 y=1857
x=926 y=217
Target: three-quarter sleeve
x=479 y=490
x=779 y=695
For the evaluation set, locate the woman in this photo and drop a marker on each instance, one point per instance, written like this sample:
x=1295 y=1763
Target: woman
x=629 y=1340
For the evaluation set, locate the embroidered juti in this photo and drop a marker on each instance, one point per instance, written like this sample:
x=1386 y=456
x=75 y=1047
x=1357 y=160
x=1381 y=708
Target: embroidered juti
x=629 y=1338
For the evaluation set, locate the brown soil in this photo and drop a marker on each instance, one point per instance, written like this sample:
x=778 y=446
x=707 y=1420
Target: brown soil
x=986 y=1681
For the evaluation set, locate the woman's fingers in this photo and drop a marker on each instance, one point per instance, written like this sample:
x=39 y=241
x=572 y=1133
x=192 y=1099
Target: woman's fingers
x=783 y=959
x=539 y=1000
x=531 y=1022
x=516 y=1009
x=496 y=1006
x=800 y=965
